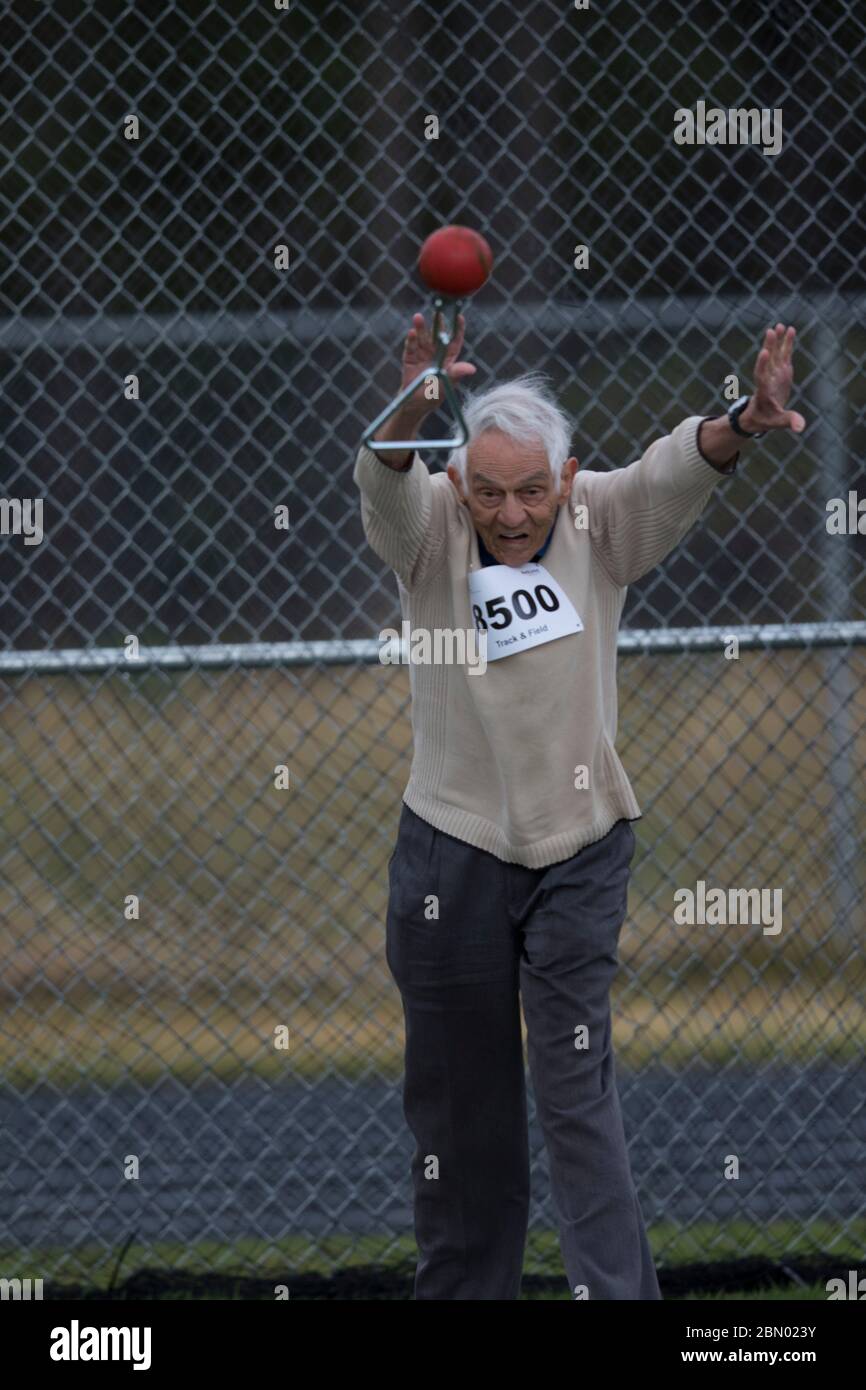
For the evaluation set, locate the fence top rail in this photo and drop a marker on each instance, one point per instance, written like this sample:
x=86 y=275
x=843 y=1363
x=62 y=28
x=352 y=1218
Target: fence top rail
x=366 y=651
x=303 y=325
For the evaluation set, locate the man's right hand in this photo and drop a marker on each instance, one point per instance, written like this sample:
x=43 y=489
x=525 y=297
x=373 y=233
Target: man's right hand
x=419 y=353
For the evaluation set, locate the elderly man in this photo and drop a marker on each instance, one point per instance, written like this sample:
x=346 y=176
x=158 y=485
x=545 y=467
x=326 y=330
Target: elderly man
x=509 y=879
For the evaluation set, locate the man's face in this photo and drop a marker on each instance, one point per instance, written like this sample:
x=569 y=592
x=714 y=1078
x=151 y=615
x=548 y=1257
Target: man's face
x=511 y=495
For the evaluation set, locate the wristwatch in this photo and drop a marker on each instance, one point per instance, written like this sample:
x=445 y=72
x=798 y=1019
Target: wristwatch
x=734 y=413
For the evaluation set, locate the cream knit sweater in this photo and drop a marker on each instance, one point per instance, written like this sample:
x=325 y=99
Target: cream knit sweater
x=495 y=754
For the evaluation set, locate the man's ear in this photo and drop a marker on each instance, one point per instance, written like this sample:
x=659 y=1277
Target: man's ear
x=569 y=469
x=457 y=482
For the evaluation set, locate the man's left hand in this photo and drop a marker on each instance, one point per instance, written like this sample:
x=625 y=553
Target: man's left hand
x=774 y=376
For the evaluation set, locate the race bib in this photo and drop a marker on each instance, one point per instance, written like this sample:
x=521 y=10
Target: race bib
x=519 y=608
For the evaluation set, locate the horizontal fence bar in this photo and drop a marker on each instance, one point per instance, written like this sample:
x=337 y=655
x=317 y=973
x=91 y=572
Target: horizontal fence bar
x=365 y=651
x=347 y=324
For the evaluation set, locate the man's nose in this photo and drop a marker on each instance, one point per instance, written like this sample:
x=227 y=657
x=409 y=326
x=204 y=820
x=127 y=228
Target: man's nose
x=512 y=512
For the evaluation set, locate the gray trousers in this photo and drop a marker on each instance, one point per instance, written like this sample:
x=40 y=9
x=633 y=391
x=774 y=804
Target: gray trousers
x=467 y=937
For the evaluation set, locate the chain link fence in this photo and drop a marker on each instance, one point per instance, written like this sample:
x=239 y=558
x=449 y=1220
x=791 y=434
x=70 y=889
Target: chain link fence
x=201 y=1042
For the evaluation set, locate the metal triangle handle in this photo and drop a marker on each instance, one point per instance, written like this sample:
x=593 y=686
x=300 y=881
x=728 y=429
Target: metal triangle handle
x=437 y=371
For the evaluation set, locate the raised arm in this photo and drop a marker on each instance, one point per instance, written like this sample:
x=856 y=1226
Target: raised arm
x=419 y=352
x=639 y=514
x=404 y=516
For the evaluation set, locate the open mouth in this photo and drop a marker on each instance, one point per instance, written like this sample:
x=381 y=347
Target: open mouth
x=514 y=540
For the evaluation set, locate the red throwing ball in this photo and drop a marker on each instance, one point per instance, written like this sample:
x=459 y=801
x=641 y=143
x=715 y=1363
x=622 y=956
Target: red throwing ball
x=455 y=261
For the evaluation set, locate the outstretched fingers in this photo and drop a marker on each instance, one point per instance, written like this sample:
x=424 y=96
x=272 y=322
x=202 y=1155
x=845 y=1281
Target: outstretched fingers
x=779 y=342
x=457 y=341
x=762 y=364
x=418 y=338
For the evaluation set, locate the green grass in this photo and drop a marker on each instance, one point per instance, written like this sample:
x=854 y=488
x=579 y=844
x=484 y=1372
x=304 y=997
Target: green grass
x=705 y=1242
x=815 y=1292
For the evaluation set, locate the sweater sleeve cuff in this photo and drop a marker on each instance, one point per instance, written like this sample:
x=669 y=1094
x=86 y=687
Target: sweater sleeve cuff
x=724 y=468
x=386 y=488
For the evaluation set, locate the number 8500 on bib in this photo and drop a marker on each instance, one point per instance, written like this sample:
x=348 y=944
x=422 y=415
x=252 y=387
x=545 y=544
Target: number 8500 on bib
x=520 y=608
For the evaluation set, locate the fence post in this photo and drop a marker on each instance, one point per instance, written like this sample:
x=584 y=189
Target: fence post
x=837 y=580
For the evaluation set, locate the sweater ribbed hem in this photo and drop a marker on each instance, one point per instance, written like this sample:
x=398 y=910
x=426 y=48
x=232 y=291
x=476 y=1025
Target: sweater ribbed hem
x=475 y=830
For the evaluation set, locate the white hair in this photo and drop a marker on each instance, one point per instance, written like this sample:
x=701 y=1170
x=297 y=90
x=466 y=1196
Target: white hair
x=525 y=409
